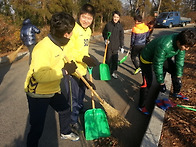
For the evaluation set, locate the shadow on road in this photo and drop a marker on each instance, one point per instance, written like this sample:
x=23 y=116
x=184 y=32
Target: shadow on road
x=4 y=68
x=49 y=137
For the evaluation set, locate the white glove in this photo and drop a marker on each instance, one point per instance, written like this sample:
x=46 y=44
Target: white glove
x=122 y=50
x=107 y=41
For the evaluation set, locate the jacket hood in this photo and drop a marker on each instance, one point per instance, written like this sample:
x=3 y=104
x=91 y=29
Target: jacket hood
x=26 y=21
x=140 y=26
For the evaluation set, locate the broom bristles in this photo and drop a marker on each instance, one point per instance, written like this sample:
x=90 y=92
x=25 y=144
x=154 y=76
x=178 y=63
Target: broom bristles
x=13 y=55
x=114 y=118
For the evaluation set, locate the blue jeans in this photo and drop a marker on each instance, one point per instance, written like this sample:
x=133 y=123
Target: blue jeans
x=37 y=112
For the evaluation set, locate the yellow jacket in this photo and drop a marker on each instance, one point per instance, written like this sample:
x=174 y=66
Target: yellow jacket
x=78 y=47
x=45 y=71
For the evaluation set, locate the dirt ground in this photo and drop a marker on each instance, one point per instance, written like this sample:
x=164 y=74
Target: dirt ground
x=179 y=128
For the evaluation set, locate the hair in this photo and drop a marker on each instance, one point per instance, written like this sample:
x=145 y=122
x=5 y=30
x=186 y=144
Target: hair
x=87 y=8
x=61 y=23
x=138 y=18
x=187 y=37
x=116 y=12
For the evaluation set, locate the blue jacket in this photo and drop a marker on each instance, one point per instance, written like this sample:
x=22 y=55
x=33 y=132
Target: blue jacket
x=139 y=34
x=27 y=33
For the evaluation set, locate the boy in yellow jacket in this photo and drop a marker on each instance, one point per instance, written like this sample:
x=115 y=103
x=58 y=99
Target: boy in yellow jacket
x=79 y=51
x=42 y=85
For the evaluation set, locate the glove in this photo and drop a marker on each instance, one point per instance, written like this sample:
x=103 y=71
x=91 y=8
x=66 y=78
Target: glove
x=89 y=61
x=122 y=50
x=90 y=83
x=107 y=41
x=162 y=88
x=70 y=67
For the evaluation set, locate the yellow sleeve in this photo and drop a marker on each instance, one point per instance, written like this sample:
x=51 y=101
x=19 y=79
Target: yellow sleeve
x=47 y=63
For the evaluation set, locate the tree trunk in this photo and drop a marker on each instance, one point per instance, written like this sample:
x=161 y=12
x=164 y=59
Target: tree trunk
x=159 y=7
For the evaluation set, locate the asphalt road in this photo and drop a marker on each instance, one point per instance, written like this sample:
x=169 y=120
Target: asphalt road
x=121 y=93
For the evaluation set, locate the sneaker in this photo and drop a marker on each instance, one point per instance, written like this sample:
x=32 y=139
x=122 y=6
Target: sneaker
x=71 y=136
x=179 y=95
x=137 y=71
x=114 y=76
x=144 y=110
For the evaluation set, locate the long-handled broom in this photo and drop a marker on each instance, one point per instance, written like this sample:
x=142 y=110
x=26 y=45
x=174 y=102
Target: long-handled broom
x=114 y=118
x=13 y=55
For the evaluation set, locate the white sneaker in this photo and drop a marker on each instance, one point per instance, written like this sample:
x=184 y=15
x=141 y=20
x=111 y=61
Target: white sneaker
x=114 y=76
x=71 y=136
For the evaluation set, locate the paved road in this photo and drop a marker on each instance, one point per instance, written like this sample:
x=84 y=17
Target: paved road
x=121 y=93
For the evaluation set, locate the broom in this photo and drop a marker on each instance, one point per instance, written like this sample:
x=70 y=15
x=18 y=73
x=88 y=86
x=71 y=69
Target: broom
x=115 y=120
x=13 y=55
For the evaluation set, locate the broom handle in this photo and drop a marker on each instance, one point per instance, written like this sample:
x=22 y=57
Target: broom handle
x=93 y=101
x=128 y=53
x=186 y=107
x=86 y=83
x=19 y=48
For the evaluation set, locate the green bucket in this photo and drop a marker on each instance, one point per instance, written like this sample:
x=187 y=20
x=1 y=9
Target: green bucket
x=104 y=72
x=96 y=124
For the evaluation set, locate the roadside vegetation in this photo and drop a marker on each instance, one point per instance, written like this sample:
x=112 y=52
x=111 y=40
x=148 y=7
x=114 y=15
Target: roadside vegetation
x=13 y=12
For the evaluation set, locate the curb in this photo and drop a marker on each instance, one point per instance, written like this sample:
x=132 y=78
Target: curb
x=5 y=59
x=153 y=132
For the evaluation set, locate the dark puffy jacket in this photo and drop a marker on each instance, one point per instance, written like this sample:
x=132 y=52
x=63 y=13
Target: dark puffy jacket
x=117 y=36
x=27 y=33
x=158 y=50
x=139 y=34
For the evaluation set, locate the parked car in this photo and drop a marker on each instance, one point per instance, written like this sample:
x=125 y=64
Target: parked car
x=170 y=19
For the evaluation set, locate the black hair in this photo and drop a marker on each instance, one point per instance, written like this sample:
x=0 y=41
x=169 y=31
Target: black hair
x=138 y=18
x=187 y=37
x=61 y=23
x=87 y=8
x=116 y=12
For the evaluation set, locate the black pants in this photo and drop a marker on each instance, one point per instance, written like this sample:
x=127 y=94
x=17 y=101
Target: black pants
x=147 y=75
x=37 y=111
x=112 y=61
x=135 y=53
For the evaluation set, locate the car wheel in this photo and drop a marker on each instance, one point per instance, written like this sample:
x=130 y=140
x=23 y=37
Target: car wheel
x=170 y=25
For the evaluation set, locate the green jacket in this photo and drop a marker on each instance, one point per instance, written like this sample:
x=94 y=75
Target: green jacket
x=158 y=50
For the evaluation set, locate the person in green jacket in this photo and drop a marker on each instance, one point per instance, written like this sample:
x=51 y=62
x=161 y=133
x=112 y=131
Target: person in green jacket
x=42 y=85
x=161 y=55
